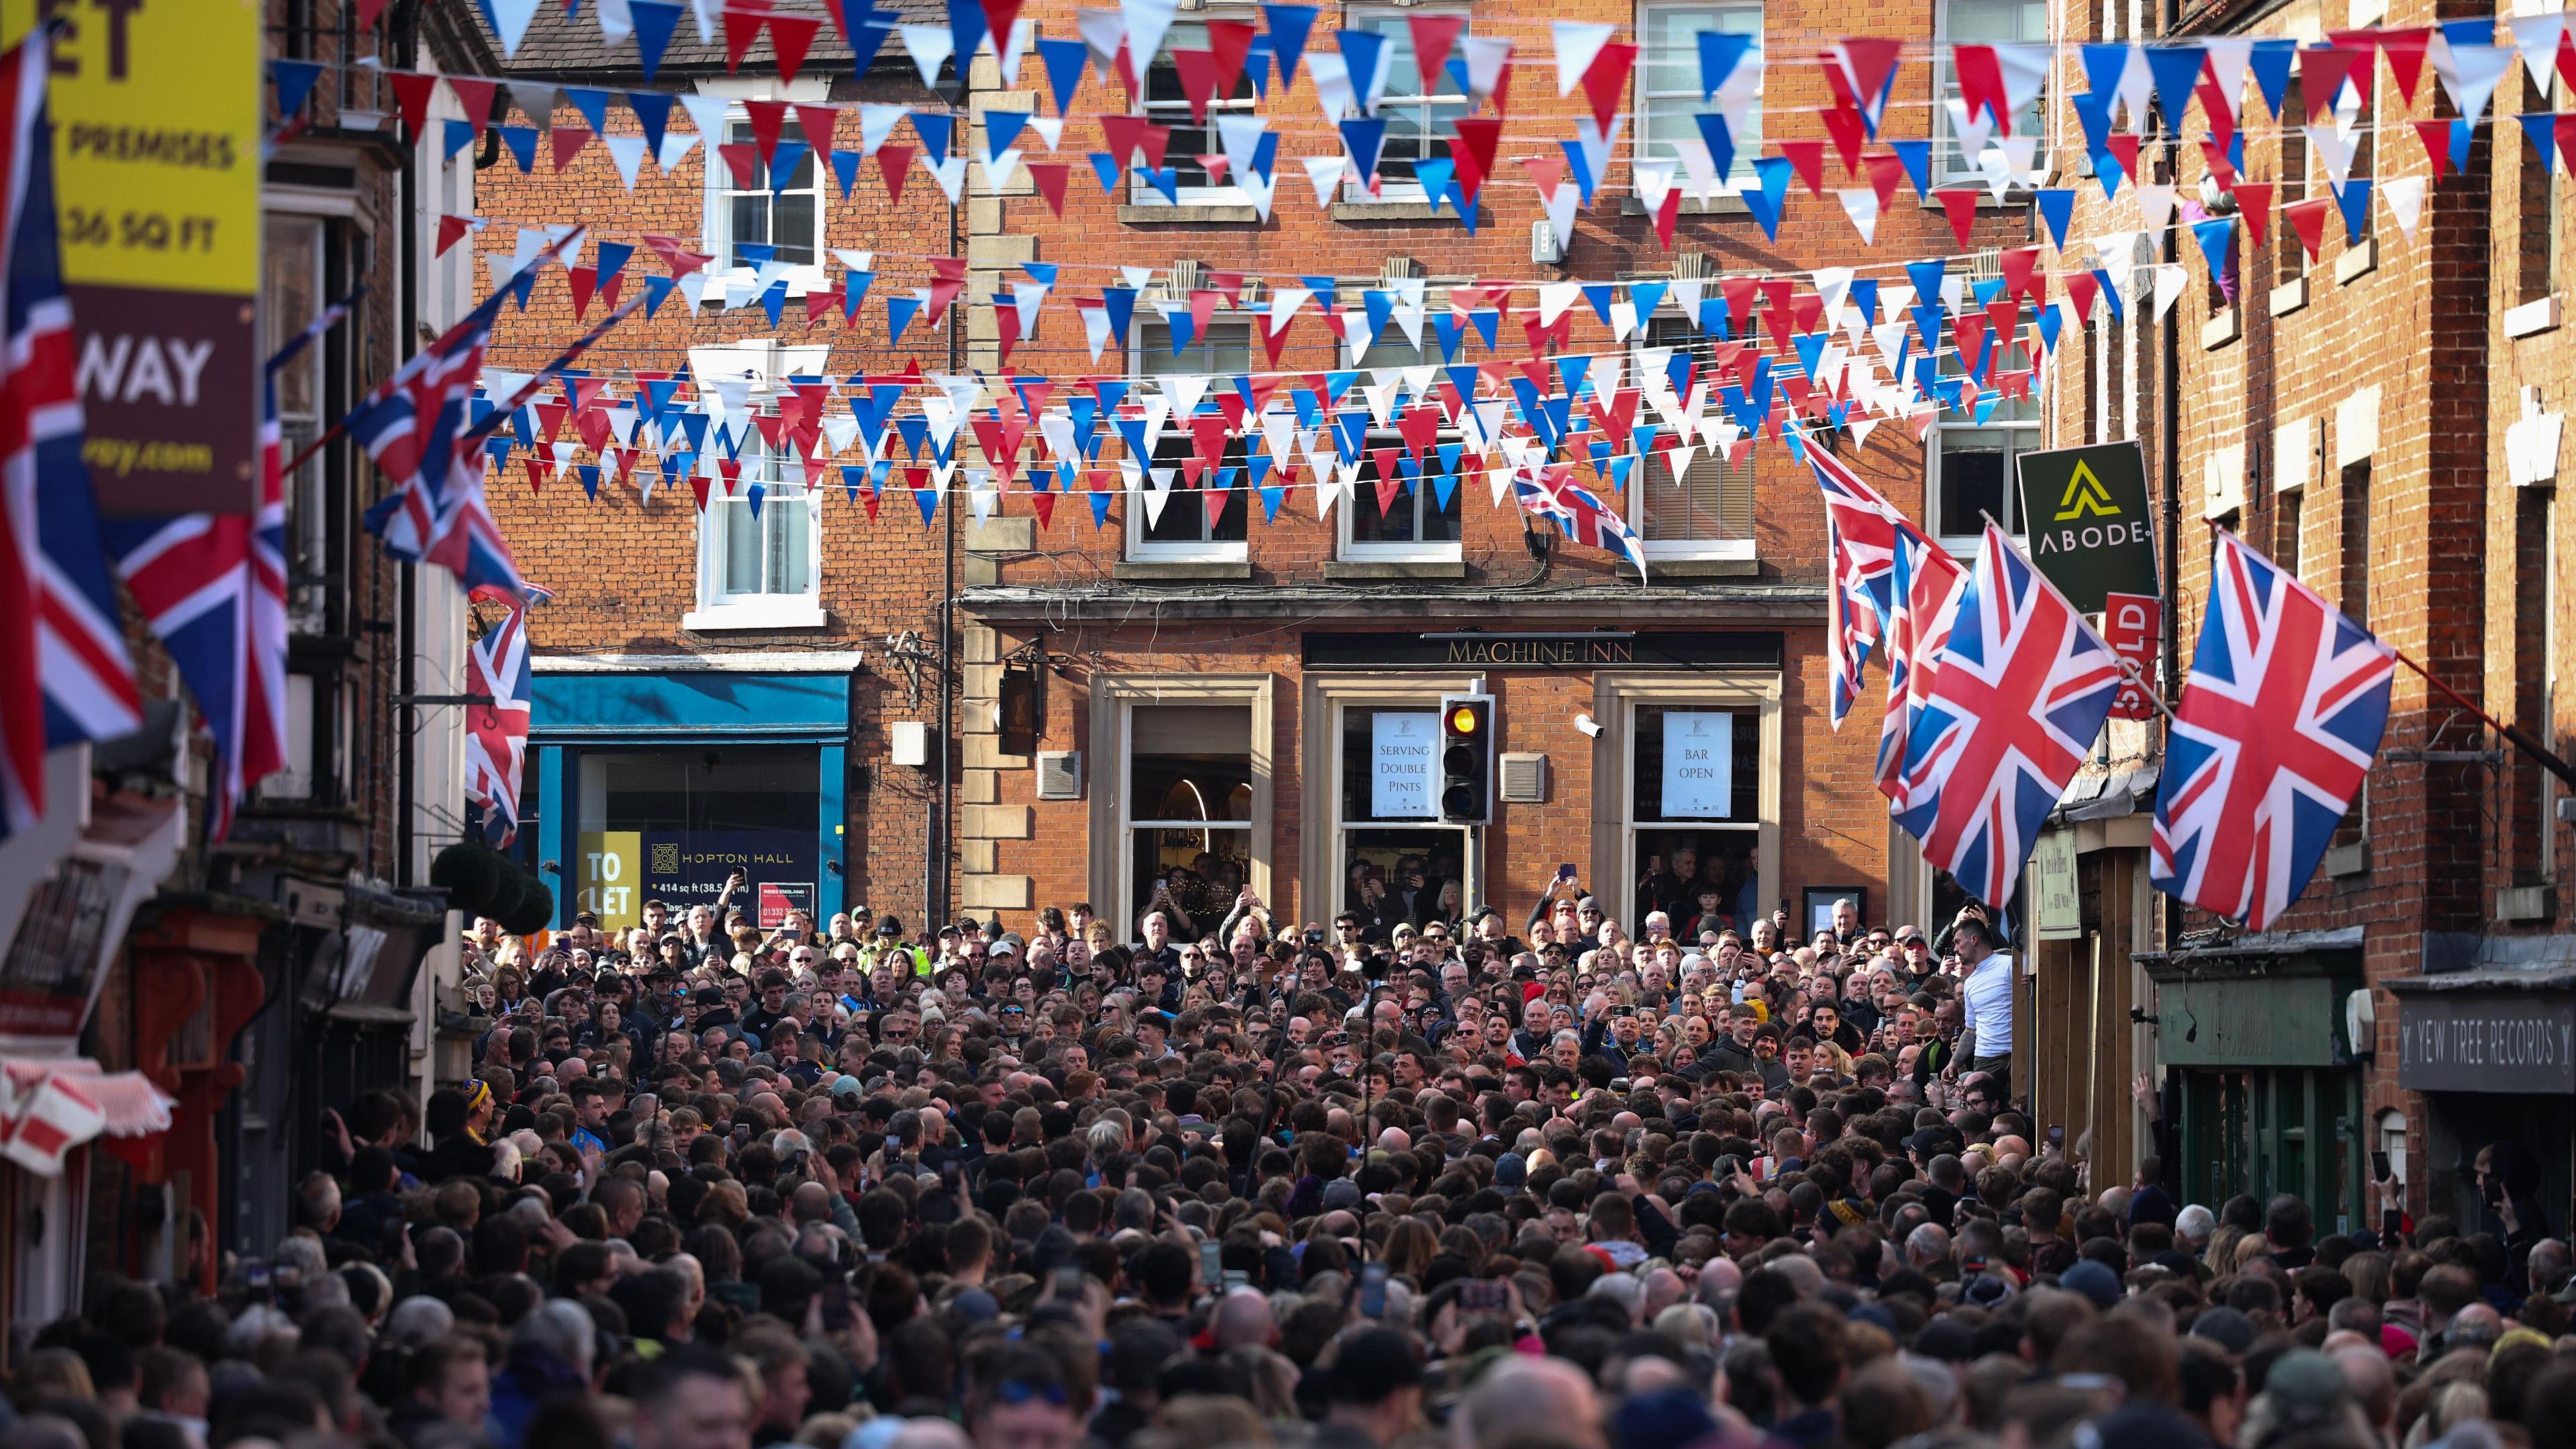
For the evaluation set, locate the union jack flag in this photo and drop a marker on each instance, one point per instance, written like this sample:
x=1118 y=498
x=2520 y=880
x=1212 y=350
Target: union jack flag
x=213 y=588
x=2017 y=698
x=417 y=428
x=1926 y=589
x=2280 y=718
x=1551 y=492
x=496 y=734
x=64 y=672
x=1860 y=541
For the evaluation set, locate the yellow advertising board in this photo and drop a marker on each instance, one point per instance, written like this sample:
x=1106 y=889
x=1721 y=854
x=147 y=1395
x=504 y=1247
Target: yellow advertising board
x=156 y=108
x=610 y=881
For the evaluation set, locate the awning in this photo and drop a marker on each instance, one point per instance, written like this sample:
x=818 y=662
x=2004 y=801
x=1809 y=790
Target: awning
x=50 y=1105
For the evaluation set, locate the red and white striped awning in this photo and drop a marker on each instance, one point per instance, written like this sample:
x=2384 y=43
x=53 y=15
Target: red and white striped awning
x=50 y=1105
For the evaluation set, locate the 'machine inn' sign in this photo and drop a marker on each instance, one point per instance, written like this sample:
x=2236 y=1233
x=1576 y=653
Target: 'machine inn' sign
x=1602 y=649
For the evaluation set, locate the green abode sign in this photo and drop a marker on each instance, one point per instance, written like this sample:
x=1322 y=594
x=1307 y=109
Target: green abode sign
x=2090 y=532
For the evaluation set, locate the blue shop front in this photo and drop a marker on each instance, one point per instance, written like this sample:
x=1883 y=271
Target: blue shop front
x=659 y=782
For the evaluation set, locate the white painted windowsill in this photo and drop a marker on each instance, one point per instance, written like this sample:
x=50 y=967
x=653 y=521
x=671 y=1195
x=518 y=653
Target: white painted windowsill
x=785 y=613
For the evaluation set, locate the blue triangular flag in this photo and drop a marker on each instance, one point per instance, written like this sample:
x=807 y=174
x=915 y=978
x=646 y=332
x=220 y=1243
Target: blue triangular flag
x=869 y=29
x=593 y=105
x=522 y=141
x=845 y=169
x=1364 y=136
x=1765 y=201
x=1165 y=179
x=1435 y=174
x=758 y=493
x=1646 y=297
x=899 y=313
x=589 y=473
x=1362 y=52
x=2103 y=67
x=654 y=22
x=295 y=80
x=653 y=112
x=460 y=134
x=783 y=163
x=1105 y=166
x=1063 y=58
x=1581 y=167
x=1713 y=133
x=1917 y=156
x=1121 y=305
x=1720 y=51
x=1600 y=295
x=2271 y=62
x=966 y=24
x=657 y=290
x=1289 y=27
x=2217 y=237
x=2057 y=208
x=1446 y=327
x=1001 y=128
x=2354 y=197
x=2176 y=69
x=1488 y=322
x=934 y=126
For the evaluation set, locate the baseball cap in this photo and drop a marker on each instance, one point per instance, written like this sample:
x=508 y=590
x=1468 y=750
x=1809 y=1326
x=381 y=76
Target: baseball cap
x=2095 y=1281
x=1511 y=1172
x=2305 y=1388
x=1341 y=1192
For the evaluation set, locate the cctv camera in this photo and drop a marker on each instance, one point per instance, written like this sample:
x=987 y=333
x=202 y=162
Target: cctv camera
x=1590 y=726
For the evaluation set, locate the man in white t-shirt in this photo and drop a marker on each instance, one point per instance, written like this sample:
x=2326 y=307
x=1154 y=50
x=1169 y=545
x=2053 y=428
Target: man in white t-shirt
x=1987 y=994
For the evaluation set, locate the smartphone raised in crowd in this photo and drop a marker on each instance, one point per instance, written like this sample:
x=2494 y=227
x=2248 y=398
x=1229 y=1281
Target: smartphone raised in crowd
x=1372 y=1290
x=2379 y=1167
x=1211 y=1263
x=1068 y=1284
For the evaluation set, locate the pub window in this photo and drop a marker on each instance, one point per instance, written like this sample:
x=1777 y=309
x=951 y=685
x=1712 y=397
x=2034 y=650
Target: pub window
x=1183 y=529
x=1399 y=863
x=1694 y=804
x=1188 y=813
x=1419 y=524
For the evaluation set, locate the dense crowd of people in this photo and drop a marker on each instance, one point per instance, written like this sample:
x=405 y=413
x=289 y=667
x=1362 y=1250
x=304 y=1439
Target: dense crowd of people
x=1565 y=1183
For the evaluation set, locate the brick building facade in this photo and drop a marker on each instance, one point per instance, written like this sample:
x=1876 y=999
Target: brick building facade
x=1239 y=619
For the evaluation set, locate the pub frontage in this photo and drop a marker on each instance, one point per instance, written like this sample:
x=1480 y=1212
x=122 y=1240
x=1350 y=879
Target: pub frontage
x=1293 y=750
x=2491 y=1049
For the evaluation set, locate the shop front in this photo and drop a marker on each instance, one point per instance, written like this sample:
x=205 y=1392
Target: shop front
x=2492 y=1050
x=659 y=783
x=2260 y=1081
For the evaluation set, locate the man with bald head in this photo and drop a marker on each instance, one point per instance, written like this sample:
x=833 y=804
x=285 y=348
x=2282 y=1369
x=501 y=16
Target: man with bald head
x=1519 y=1392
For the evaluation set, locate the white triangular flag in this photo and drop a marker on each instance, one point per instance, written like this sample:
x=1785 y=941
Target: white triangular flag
x=510 y=19
x=928 y=45
x=950 y=173
x=2170 y=280
x=1861 y=205
x=1146 y=22
x=1240 y=135
x=1326 y=174
x=2405 y=198
x=626 y=153
x=1578 y=44
x=2155 y=206
x=2536 y=36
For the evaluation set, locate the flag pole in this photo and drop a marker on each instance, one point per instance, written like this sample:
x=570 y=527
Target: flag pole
x=2522 y=739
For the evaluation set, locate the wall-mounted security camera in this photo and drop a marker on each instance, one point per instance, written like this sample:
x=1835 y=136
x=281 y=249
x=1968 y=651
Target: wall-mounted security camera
x=1591 y=727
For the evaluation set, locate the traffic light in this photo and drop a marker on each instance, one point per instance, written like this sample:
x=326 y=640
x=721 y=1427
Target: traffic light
x=1467 y=759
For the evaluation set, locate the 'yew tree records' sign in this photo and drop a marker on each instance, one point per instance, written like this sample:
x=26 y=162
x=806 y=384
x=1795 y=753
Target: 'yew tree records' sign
x=2085 y=510
x=156 y=114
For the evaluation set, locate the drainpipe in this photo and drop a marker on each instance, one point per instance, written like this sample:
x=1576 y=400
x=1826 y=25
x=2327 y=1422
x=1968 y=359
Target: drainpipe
x=936 y=848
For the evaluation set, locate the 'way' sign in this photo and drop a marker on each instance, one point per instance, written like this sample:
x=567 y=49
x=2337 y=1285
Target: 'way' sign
x=156 y=114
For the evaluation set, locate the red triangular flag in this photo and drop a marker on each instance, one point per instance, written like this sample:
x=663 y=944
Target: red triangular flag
x=698 y=488
x=568 y=141
x=1042 y=503
x=741 y=28
x=1050 y=178
x=741 y=158
x=1230 y=41
x=450 y=230
x=2222 y=118
x=474 y=97
x=790 y=36
x=768 y=119
x=894 y=161
x=817 y=122
x=2022 y=275
x=1214 y=164
x=1478 y=139
x=1961 y=204
x=2213 y=151
x=1433 y=35
x=2322 y=72
x=412 y=91
x=1807 y=157
x=2081 y=286
x=678 y=258
x=1847 y=132
x=1981 y=84
x=1886 y=173
x=585 y=280
x=2405 y=52
x=2124 y=145
x=1668 y=215
x=1606 y=81
x=2254 y=202
x=1197 y=70
x=1389 y=481
x=536 y=475
x=1215 y=500
x=2308 y=219
x=2436 y=136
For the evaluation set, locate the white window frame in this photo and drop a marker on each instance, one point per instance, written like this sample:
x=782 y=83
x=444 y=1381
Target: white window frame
x=1351 y=549
x=1128 y=824
x=1641 y=477
x=1742 y=174
x=1141 y=549
x=1616 y=699
x=1402 y=67
x=1949 y=168
x=2030 y=440
x=1141 y=192
x=1430 y=829
x=767 y=365
x=719 y=191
